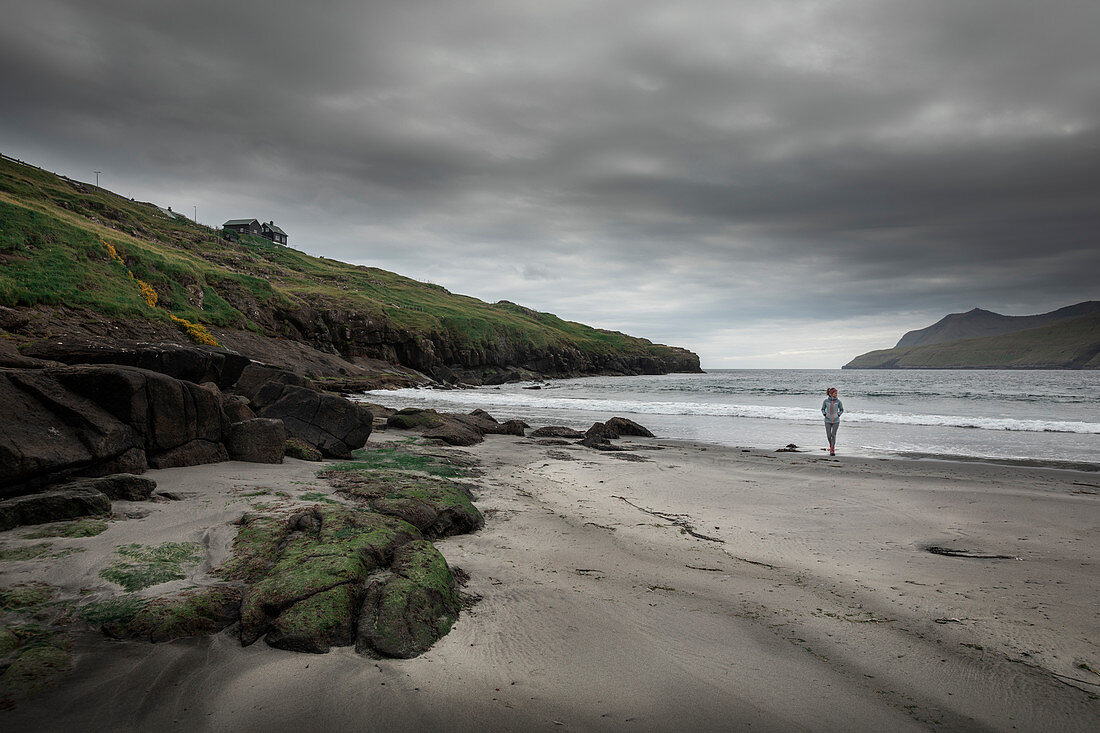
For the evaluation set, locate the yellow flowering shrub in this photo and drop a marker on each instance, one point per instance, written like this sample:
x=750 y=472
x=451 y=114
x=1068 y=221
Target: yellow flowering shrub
x=113 y=253
x=148 y=294
x=195 y=331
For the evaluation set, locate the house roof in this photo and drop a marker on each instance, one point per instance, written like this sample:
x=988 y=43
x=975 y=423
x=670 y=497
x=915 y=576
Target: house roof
x=274 y=228
x=238 y=222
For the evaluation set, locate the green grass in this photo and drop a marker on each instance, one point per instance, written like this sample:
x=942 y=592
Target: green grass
x=318 y=496
x=397 y=458
x=52 y=252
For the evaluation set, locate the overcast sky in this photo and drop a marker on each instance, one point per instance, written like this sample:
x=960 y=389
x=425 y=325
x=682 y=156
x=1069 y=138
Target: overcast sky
x=770 y=184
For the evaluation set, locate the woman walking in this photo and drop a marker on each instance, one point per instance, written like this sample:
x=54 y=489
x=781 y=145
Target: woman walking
x=832 y=408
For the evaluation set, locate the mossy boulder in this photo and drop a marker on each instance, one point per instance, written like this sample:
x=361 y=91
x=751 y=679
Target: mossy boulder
x=35 y=669
x=26 y=595
x=256 y=548
x=323 y=620
x=328 y=546
x=405 y=614
x=411 y=417
x=437 y=507
x=193 y=612
x=297 y=448
x=51 y=506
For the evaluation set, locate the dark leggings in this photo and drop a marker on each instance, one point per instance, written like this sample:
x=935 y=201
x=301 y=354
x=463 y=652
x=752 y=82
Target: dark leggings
x=830 y=432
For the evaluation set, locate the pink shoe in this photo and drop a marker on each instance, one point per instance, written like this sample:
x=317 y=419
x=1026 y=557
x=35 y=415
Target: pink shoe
x=832 y=452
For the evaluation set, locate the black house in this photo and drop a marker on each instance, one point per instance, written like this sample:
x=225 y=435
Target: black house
x=266 y=229
x=274 y=233
x=244 y=226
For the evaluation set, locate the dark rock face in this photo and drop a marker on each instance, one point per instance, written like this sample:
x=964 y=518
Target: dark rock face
x=597 y=435
x=237 y=409
x=453 y=428
x=120 y=486
x=52 y=506
x=332 y=424
x=556 y=431
x=622 y=426
x=260 y=440
x=98 y=419
x=336 y=329
x=191 y=363
x=455 y=433
x=192 y=453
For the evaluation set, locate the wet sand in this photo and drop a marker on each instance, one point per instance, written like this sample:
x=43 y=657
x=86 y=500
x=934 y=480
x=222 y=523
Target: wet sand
x=674 y=587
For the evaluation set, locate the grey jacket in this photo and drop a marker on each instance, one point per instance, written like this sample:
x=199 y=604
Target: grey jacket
x=832 y=408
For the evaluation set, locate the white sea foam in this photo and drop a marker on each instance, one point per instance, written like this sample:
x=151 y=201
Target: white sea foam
x=539 y=401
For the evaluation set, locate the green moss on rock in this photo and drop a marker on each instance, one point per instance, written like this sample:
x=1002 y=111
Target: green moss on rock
x=36 y=669
x=26 y=596
x=141 y=566
x=437 y=507
x=297 y=448
x=406 y=614
x=193 y=612
x=9 y=640
x=111 y=611
x=412 y=417
x=328 y=546
x=256 y=548
x=76 y=528
x=323 y=620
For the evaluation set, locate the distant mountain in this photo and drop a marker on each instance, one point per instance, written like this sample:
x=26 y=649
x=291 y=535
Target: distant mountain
x=1069 y=342
x=978 y=323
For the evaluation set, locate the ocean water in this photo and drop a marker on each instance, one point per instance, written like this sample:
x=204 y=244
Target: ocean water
x=1046 y=416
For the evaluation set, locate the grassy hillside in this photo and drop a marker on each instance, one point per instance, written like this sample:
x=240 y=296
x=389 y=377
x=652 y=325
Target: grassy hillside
x=67 y=243
x=1069 y=344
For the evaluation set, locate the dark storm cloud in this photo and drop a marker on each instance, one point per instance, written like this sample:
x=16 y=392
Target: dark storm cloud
x=730 y=176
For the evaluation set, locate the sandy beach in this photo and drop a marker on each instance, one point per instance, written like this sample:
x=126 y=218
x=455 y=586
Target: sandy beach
x=674 y=586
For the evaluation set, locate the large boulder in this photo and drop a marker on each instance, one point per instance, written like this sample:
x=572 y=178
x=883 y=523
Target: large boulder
x=98 y=419
x=404 y=614
x=438 y=507
x=622 y=426
x=192 y=363
x=334 y=425
x=453 y=432
x=556 y=431
x=260 y=440
x=325 y=548
x=119 y=486
x=52 y=506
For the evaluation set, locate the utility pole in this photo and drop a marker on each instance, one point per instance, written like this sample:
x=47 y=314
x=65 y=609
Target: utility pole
x=196 y=218
x=97 y=178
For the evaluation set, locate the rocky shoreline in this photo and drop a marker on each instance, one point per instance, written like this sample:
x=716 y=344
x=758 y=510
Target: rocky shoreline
x=350 y=564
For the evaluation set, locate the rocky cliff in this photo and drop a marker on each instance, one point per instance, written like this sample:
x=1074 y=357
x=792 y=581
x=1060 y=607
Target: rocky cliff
x=81 y=261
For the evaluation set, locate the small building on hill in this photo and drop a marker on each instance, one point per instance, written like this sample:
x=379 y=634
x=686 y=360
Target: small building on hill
x=274 y=233
x=244 y=226
x=266 y=229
